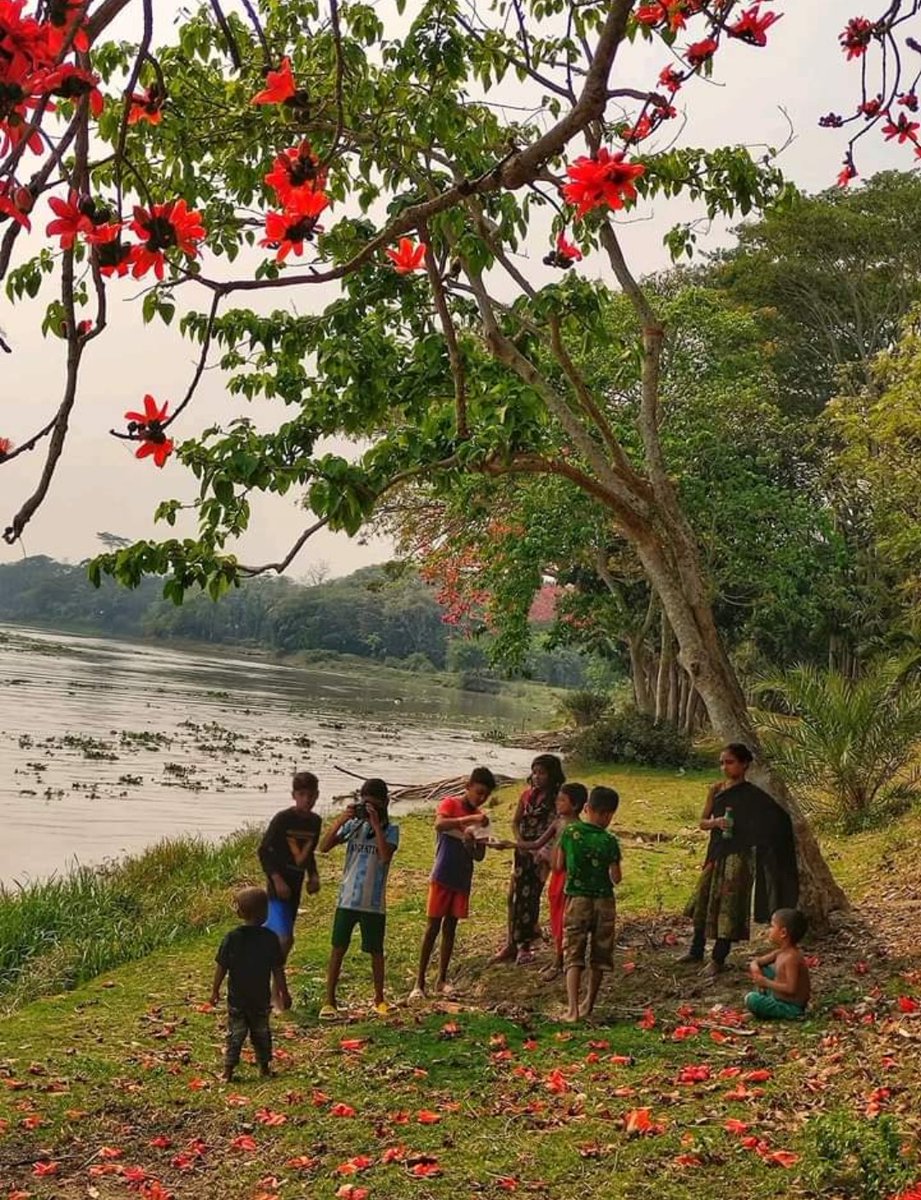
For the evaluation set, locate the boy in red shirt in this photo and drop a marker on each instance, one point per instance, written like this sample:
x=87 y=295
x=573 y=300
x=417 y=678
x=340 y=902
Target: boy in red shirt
x=457 y=848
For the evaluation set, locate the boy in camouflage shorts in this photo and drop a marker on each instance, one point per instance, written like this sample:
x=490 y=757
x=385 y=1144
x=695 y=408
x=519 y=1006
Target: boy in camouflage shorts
x=591 y=857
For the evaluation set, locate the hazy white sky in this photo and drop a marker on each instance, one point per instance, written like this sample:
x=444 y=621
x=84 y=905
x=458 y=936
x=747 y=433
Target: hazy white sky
x=99 y=485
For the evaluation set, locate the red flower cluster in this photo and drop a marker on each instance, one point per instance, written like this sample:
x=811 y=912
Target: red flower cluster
x=161 y=228
x=667 y=14
x=147 y=428
x=903 y=128
x=606 y=180
x=298 y=180
x=856 y=37
x=30 y=72
x=5 y=447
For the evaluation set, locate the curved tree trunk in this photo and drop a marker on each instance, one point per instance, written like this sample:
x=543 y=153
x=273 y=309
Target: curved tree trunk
x=679 y=582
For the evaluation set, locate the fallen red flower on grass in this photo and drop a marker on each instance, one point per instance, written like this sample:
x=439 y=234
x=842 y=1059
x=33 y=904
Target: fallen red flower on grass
x=244 y=1141
x=265 y=1116
x=342 y=1110
x=639 y=1122
x=348 y=1191
x=908 y=1004
x=683 y=1032
x=426 y=1117
x=303 y=1162
x=44 y=1169
x=647 y=1021
x=352 y=1166
x=352 y=1045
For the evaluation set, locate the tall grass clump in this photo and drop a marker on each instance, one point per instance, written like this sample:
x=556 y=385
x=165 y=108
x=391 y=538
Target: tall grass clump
x=59 y=932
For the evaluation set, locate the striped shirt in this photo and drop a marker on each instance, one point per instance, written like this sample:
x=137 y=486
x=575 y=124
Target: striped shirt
x=364 y=877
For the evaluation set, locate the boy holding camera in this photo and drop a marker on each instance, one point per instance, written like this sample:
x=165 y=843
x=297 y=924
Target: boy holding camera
x=371 y=840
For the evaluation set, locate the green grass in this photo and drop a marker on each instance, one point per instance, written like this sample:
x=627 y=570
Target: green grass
x=60 y=932
x=524 y=1104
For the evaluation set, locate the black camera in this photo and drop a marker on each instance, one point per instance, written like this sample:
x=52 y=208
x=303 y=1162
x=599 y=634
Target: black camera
x=360 y=810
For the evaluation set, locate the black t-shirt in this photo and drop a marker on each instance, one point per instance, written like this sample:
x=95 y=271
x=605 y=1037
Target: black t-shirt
x=289 y=849
x=249 y=954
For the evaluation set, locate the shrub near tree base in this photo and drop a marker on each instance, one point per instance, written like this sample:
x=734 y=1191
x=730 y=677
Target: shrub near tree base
x=630 y=736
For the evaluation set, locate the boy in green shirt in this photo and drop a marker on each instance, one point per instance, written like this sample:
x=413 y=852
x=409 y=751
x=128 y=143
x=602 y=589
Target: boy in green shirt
x=591 y=857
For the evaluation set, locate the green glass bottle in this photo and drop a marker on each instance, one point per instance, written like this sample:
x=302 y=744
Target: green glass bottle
x=730 y=822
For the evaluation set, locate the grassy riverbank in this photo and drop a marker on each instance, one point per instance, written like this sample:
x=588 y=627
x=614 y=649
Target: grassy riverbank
x=113 y=1085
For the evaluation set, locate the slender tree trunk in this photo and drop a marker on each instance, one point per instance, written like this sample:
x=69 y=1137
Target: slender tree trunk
x=674 y=690
x=639 y=673
x=666 y=661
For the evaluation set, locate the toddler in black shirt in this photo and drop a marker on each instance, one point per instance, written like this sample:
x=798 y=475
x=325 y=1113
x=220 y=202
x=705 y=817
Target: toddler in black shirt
x=251 y=956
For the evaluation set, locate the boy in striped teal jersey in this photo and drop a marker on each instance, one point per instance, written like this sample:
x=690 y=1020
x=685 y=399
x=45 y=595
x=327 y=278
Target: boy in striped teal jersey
x=371 y=840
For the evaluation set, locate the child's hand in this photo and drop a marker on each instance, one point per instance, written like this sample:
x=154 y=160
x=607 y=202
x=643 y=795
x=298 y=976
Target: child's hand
x=313 y=884
x=754 y=967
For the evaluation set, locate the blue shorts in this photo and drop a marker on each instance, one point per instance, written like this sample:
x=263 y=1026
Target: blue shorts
x=282 y=914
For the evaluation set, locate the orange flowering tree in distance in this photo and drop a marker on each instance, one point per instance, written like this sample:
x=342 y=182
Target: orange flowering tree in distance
x=424 y=167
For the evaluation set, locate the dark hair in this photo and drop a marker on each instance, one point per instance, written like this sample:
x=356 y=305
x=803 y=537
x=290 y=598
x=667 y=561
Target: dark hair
x=305 y=781
x=252 y=904
x=603 y=800
x=577 y=793
x=484 y=776
x=554 y=769
x=793 y=921
x=376 y=789
x=739 y=751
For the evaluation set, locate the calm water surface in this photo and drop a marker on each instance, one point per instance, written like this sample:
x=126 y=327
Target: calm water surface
x=108 y=746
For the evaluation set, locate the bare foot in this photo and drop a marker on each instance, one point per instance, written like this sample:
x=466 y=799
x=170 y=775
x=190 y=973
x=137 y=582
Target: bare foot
x=506 y=954
x=551 y=971
x=569 y=1017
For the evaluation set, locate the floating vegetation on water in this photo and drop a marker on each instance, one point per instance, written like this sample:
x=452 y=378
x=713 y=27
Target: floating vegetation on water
x=144 y=739
x=132 y=780
x=91 y=747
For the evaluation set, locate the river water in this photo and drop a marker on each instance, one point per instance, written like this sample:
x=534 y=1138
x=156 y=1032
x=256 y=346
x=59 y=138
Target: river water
x=108 y=746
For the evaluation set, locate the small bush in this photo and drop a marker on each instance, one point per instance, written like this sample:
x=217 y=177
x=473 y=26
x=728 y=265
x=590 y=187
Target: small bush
x=479 y=681
x=418 y=662
x=630 y=736
x=584 y=708
x=855 y=1158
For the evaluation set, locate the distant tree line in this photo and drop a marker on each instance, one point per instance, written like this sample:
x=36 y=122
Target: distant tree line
x=385 y=613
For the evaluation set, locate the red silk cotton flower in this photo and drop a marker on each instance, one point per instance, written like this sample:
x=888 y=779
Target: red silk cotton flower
x=5 y=447
x=606 y=180
x=752 y=27
x=147 y=106
x=296 y=167
x=279 y=85
x=699 y=53
x=287 y=231
x=70 y=221
x=408 y=257
x=161 y=228
x=856 y=37
x=147 y=427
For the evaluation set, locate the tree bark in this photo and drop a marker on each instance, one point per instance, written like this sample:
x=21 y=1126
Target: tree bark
x=639 y=673
x=677 y=576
